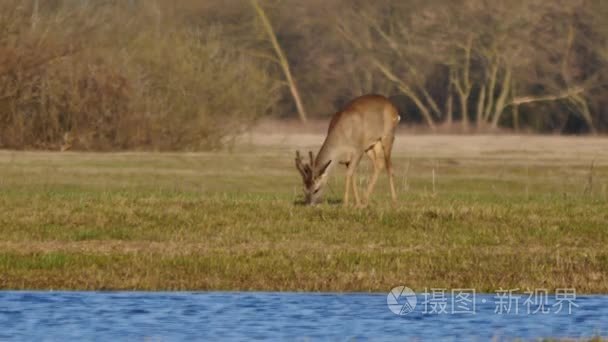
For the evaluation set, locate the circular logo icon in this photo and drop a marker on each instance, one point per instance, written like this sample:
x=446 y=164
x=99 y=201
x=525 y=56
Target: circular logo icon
x=401 y=300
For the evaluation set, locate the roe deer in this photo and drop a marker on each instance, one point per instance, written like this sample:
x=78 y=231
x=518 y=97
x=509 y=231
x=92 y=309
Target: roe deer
x=366 y=125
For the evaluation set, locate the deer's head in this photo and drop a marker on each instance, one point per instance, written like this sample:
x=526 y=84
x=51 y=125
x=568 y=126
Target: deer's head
x=314 y=177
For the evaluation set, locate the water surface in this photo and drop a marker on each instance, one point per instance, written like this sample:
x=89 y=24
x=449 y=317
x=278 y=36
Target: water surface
x=77 y=316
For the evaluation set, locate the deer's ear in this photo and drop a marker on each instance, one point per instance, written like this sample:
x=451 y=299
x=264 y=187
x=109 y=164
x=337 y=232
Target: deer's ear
x=324 y=168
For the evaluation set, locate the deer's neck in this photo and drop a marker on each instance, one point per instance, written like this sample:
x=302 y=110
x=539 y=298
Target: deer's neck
x=328 y=151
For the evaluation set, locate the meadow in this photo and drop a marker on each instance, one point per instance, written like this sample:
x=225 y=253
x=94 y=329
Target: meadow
x=486 y=212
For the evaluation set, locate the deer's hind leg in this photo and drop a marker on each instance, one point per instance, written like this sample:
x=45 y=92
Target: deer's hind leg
x=375 y=153
x=387 y=146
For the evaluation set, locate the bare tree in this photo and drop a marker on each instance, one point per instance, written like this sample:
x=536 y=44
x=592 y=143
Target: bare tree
x=282 y=59
x=500 y=55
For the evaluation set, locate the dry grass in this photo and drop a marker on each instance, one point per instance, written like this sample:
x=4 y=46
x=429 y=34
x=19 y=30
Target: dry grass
x=506 y=211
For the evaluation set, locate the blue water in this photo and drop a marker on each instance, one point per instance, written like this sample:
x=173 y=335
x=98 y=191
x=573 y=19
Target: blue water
x=118 y=316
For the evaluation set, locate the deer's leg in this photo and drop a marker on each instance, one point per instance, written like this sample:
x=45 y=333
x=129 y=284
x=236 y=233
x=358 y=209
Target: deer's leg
x=355 y=189
x=354 y=166
x=387 y=145
x=347 y=184
x=347 y=189
x=350 y=179
x=375 y=154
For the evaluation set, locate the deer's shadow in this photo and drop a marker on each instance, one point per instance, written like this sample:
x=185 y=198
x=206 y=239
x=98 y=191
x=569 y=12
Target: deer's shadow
x=329 y=201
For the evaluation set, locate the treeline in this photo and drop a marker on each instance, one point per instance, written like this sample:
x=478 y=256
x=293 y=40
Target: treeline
x=190 y=74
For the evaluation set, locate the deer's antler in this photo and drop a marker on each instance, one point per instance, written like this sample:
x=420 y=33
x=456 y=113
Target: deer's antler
x=305 y=170
x=299 y=164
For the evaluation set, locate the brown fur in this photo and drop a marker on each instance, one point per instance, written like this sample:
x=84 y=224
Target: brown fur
x=366 y=125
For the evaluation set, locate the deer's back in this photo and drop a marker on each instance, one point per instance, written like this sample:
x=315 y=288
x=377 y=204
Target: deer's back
x=364 y=121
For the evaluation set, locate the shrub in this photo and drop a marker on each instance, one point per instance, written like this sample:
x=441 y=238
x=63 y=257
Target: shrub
x=65 y=84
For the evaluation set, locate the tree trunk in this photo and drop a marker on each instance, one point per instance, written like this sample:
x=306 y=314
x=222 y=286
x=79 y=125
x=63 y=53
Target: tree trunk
x=464 y=109
x=491 y=91
x=449 y=110
x=516 y=118
x=282 y=60
x=480 y=107
x=501 y=103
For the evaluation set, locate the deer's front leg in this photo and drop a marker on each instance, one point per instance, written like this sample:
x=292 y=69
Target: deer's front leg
x=355 y=190
x=351 y=178
x=347 y=191
x=354 y=166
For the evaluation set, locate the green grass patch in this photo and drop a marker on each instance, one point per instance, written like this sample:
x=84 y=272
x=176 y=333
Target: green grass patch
x=229 y=221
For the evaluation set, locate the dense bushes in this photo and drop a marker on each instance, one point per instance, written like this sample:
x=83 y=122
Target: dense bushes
x=117 y=83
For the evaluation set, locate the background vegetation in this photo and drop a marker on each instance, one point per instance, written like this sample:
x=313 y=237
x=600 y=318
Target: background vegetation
x=107 y=75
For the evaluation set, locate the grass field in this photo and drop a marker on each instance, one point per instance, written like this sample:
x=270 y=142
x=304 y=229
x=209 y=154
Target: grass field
x=483 y=212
